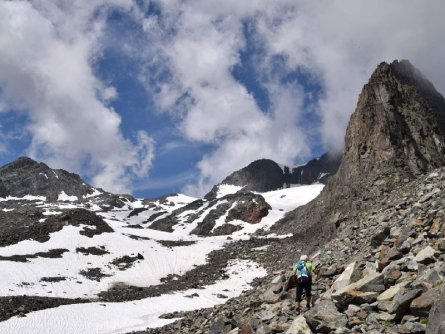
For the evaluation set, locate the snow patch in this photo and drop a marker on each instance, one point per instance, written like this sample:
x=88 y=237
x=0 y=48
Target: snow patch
x=227 y=189
x=24 y=198
x=64 y=197
x=276 y=236
x=262 y=248
x=51 y=212
x=322 y=175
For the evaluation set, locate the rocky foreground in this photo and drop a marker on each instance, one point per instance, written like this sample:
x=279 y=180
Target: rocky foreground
x=382 y=274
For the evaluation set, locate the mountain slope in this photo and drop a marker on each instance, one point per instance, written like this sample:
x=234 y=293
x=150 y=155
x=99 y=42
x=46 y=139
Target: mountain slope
x=63 y=242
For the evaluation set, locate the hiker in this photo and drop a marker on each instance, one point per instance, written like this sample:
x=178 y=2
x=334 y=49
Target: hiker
x=302 y=271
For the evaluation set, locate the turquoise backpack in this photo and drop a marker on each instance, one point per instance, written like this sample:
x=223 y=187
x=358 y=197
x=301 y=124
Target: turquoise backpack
x=303 y=274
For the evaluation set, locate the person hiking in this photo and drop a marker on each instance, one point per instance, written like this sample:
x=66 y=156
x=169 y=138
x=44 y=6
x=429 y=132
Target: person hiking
x=302 y=272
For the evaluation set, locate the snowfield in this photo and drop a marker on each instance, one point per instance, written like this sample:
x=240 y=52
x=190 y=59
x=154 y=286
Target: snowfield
x=134 y=256
x=134 y=315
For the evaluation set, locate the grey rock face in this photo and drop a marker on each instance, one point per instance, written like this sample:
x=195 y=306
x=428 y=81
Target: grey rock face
x=395 y=134
x=316 y=170
x=25 y=176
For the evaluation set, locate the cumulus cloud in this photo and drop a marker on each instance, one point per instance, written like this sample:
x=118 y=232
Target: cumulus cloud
x=213 y=107
x=46 y=55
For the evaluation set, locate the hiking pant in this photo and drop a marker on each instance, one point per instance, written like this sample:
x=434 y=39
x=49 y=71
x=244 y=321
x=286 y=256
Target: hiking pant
x=306 y=286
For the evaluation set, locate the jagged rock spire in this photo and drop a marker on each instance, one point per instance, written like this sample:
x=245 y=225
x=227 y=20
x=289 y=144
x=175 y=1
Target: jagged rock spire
x=398 y=127
x=396 y=132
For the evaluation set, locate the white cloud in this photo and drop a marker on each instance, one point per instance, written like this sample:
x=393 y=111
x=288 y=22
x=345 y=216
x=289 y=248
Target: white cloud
x=46 y=53
x=218 y=109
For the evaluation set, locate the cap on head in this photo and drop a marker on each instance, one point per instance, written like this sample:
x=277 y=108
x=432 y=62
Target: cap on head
x=303 y=258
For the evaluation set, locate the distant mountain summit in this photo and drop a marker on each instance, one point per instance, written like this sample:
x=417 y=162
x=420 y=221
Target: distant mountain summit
x=396 y=133
x=25 y=176
x=266 y=175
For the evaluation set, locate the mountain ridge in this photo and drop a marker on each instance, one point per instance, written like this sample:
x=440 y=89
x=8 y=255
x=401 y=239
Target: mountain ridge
x=25 y=176
x=266 y=175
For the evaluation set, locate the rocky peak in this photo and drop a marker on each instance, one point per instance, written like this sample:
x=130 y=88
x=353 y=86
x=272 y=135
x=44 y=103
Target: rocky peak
x=396 y=129
x=316 y=170
x=266 y=175
x=25 y=176
x=395 y=134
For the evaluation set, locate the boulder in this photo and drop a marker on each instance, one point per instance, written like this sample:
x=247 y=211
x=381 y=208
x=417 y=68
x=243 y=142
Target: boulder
x=404 y=234
x=440 y=244
x=429 y=277
x=365 y=290
x=391 y=276
x=391 y=292
x=383 y=316
x=435 y=227
x=421 y=305
x=412 y=328
x=352 y=296
x=378 y=238
x=278 y=327
x=347 y=277
x=373 y=282
x=217 y=327
x=426 y=255
x=299 y=326
x=387 y=255
x=270 y=296
x=436 y=319
x=402 y=301
x=324 y=317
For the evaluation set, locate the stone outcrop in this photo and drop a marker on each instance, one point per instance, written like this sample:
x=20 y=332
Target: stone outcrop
x=242 y=206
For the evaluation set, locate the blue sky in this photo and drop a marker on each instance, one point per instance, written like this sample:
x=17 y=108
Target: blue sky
x=156 y=97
